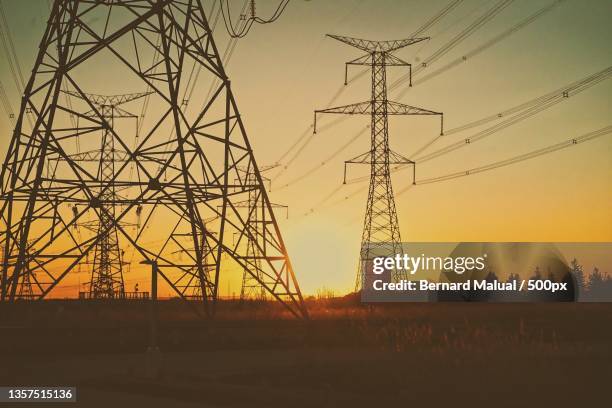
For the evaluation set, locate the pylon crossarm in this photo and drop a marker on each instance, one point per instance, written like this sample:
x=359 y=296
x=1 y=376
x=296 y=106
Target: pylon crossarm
x=393 y=61
x=261 y=169
x=363 y=60
x=396 y=158
x=397 y=108
x=365 y=108
x=118 y=113
x=363 y=158
x=93 y=155
x=360 y=108
x=351 y=109
x=377 y=46
x=111 y=100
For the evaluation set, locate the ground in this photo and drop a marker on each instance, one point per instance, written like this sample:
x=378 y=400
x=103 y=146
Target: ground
x=347 y=354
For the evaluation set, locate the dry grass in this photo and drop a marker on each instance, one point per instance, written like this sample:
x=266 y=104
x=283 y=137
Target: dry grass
x=347 y=354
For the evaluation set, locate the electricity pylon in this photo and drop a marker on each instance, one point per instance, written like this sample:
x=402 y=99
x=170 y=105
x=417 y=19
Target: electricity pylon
x=251 y=288
x=107 y=273
x=184 y=161
x=381 y=234
x=28 y=279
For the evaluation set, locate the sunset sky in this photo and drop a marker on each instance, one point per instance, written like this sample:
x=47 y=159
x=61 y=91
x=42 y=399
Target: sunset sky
x=281 y=72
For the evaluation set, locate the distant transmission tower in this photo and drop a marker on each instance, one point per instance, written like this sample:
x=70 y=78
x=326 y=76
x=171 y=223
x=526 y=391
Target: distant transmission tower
x=107 y=273
x=26 y=291
x=28 y=279
x=255 y=219
x=176 y=174
x=381 y=234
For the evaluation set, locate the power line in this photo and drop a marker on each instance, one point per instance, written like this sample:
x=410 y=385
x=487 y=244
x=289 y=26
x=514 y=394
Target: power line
x=10 y=51
x=436 y=18
x=319 y=205
x=248 y=23
x=305 y=144
x=13 y=61
x=525 y=111
x=456 y=21
x=6 y=104
x=519 y=117
x=529 y=109
x=520 y=158
x=465 y=33
x=481 y=169
x=488 y=44
x=325 y=161
x=570 y=89
x=558 y=94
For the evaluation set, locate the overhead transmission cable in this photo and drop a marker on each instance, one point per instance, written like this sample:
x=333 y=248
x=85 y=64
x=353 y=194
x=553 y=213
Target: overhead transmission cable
x=6 y=104
x=527 y=112
x=248 y=22
x=323 y=200
x=521 y=157
x=488 y=44
x=533 y=106
x=8 y=47
x=324 y=161
x=436 y=18
x=521 y=112
x=590 y=136
x=556 y=95
x=464 y=34
x=322 y=204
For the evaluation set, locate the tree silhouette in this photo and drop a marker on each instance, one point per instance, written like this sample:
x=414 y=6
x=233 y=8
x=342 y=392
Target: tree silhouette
x=537 y=275
x=513 y=277
x=576 y=270
x=491 y=277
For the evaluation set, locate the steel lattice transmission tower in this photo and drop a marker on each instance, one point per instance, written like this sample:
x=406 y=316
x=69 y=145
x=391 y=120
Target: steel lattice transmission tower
x=107 y=273
x=251 y=287
x=381 y=234
x=181 y=170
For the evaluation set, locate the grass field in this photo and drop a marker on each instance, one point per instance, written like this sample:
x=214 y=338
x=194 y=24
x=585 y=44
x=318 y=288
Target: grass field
x=347 y=354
